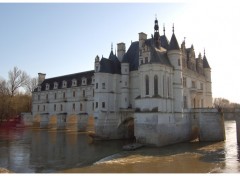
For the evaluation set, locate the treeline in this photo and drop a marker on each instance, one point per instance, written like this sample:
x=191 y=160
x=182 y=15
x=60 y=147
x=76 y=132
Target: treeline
x=16 y=94
x=224 y=103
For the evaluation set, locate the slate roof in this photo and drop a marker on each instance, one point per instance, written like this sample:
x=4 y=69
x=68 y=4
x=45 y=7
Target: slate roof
x=164 y=42
x=110 y=65
x=78 y=76
x=205 y=62
x=132 y=56
x=173 y=43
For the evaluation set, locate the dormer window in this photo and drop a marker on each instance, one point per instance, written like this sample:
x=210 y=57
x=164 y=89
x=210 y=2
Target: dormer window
x=84 y=81
x=39 y=88
x=64 y=84
x=55 y=85
x=47 y=86
x=74 y=82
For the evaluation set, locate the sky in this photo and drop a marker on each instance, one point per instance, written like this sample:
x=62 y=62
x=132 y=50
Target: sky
x=64 y=38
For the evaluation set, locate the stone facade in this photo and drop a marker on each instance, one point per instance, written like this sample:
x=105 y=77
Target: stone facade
x=153 y=86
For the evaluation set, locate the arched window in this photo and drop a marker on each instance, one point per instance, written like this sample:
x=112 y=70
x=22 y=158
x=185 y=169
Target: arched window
x=155 y=85
x=147 y=84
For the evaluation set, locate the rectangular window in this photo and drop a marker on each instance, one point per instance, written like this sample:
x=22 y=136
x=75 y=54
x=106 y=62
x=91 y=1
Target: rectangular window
x=184 y=82
x=74 y=93
x=179 y=62
x=38 y=97
x=92 y=106
x=43 y=107
x=55 y=107
x=96 y=85
x=103 y=104
x=61 y=107
x=96 y=104
x=103 y=85
x=185 y=101
x=83 y=92
x=38 y=107
x=73 y=106
x=55 y=96
x=146 y=60
x=64 y=95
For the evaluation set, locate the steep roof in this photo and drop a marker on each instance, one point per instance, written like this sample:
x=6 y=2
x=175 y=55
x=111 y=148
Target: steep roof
x=68 y=78
x=164 y=41
x=110 y=65
x=205 y=62
x=132 y=56
x=173 y=43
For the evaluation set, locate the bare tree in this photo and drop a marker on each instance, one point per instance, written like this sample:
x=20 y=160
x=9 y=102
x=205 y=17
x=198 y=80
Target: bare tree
x=17 y=79
x=31 y=85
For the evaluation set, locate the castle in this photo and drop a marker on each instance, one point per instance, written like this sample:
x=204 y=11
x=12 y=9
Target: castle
x=148 y=92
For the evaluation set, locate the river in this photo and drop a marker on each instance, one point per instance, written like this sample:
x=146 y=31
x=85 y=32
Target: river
x=46 y=151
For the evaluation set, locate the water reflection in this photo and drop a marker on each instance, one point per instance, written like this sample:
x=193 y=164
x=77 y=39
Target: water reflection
x=44 y=151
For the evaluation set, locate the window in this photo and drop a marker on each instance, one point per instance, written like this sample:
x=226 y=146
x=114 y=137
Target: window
x=179 y=62
x=64 y=95
x=46 y=96
x=103 y=85
x=96 y=85
x=81 y=107
x=193 y=84
x=146 y=60
x=168 y=84
x=92 y=106
x=55 y=107
x=103 y=104
x=38 y=97
x=83 y=92
x=55 y=85
x=184 y=82
x=96 y=104
x=43 y=107
x=38 y=107
x=93 y=92
x=147 y=84
x=73 y=93
x=185 y=101
x=155 y=85
x=74 y=82
x=84 y=81
x=61 y=106
x=64 y=84
x=55 y=96
x=73 y=106
x=141 y=61
x=47 y=86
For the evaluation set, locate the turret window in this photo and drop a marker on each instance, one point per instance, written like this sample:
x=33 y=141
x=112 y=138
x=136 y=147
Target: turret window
x=147 y=84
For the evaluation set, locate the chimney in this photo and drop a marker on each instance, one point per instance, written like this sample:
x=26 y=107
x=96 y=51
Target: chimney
x=121 y=49
x=41 y=78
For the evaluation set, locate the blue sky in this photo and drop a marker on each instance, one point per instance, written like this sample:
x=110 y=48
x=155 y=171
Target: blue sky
x=64 y=38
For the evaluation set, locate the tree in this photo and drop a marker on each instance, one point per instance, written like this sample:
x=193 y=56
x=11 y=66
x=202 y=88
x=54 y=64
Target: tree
x=17 y=79
x=31 y=85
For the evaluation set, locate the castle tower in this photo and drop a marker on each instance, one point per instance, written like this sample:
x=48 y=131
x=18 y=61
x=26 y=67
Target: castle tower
x=207 y=73
x=175 y=57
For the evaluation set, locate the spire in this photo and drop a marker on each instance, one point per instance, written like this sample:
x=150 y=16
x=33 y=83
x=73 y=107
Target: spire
x=173 y=28
x=163 y=29
x=111 y=46
x=205 y=62
x=173 y=42
x=156 y=34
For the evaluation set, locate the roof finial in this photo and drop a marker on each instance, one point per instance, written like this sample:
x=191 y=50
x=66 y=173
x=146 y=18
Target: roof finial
x=173 y=28
x=155 y=16
x=163 y=29
x=111 y=46
x=204 y=51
